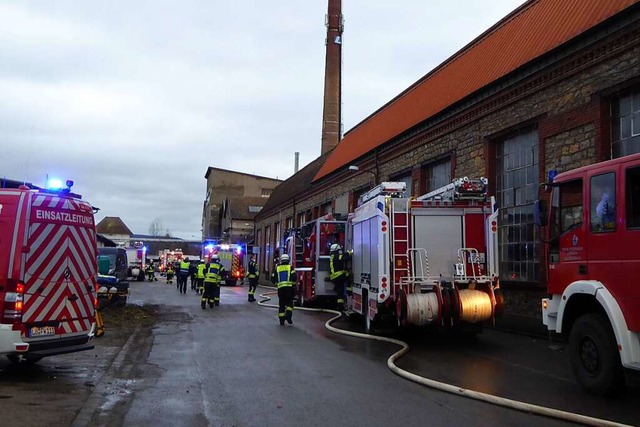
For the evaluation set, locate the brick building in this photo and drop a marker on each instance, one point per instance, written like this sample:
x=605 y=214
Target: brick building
x=553 y=85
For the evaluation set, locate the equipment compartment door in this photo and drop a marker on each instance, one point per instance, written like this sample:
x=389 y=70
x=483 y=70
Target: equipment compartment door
x=441 y=236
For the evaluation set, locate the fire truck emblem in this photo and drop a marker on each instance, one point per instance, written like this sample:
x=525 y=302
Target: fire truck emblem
x=67 y=273
x=574 y=240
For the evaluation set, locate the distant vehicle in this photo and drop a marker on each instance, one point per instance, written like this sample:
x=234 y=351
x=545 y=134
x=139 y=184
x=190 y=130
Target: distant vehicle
x=232 y=257
x=136 y=271
x=48 y=272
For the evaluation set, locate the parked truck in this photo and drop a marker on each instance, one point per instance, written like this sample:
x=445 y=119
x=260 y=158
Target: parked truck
x=48 y=272
x=592 y=239
x=428 y=261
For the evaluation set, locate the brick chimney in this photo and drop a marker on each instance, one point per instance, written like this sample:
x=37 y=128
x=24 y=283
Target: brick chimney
x=331 y=117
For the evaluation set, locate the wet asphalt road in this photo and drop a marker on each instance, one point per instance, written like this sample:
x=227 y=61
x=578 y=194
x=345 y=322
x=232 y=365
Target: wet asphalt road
x=234 y=365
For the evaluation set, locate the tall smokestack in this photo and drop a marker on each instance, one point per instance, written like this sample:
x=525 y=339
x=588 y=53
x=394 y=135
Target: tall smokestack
x=297 y=162
x=331 y=116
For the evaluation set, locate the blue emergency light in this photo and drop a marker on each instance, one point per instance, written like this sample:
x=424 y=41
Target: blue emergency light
x=551 y=174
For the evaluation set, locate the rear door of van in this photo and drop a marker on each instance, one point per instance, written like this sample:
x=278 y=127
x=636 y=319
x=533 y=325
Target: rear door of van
x=60 y=268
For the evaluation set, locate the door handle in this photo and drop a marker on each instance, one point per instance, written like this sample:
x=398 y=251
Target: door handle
x=582 y=269
x=73 y=297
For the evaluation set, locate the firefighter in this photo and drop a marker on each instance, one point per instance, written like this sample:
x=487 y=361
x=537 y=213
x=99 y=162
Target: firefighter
x=200 y=278
x=213 y=273
x=193 y=270
x=338 y=273
x=253 y=275
x=285 y=277
x=169 y=274
x=151 y=273
x=183 y=275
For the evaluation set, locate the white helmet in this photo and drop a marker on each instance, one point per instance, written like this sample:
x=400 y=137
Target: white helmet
x=215 y=257
x=335 y=247
x=284 y=258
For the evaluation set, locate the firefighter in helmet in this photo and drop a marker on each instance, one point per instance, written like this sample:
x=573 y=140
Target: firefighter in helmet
x=339 y=275
x=252 y=275
x=285 y=277
x=151 y=273
x=213 y=273
x=170 y=272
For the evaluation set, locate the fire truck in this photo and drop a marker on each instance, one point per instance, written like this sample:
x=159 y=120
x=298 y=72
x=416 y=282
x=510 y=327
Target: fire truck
x=168 y=256
x=427 y=261
x=592 y=239
x=232 y=257
x=48 y=272
x=308 y=249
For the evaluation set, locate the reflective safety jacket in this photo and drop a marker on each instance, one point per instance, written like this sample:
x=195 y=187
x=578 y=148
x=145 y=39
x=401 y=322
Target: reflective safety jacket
x=253 y=270
x=184 y=267
x=336 y=266
x=284 y=276
x=213 y=272
x=200 y=272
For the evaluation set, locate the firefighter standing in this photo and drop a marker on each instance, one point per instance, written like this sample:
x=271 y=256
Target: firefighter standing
x=169 y=274
x=151 y=273
x=253 y=278
x=338 y=273
x=285 y=277
x=193 y=270
x=213 y=273
x=200 y=278
x=183 y=275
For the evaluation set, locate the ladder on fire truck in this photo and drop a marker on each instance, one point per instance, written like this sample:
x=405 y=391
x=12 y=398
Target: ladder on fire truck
x=459 y=189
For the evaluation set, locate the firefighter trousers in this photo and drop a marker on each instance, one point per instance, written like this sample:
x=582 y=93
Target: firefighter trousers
x=285 y=304
x=253 y=284
x=200 y=285
x=340 y=288
x=182 y=283
x=211 y=294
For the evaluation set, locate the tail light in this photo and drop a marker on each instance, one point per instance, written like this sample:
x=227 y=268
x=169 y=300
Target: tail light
x=12 y=303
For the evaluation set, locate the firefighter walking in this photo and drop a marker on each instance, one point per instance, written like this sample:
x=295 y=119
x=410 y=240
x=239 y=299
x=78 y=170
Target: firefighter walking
x=212 y=278
x=285 y=277
x=253 y=273
x=338 y=273
x=183 y=275
x=200 y=278
x=151 y=273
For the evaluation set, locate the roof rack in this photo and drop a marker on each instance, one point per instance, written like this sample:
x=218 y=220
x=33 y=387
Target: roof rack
x=459 y=189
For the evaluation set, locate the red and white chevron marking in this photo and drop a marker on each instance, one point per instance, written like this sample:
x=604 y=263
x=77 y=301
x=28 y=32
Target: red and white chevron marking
x=61 y=268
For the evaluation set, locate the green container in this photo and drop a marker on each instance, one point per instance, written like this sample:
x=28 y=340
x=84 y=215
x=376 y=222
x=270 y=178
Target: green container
x=103 y=264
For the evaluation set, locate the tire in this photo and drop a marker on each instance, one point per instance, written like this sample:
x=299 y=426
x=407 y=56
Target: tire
x=20 y=360
x=594 y=356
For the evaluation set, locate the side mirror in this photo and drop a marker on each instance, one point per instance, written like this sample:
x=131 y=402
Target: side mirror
x=540 y=213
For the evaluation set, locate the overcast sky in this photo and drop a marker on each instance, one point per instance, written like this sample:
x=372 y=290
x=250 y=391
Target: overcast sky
x=133 y=100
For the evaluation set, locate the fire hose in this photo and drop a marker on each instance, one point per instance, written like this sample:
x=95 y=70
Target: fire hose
x=450 y=388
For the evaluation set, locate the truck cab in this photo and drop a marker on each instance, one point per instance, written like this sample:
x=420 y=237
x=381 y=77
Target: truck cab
x=593 y=233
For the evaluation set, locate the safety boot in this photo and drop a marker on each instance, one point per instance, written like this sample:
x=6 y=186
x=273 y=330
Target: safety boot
x=203 y=304
x=281 y=322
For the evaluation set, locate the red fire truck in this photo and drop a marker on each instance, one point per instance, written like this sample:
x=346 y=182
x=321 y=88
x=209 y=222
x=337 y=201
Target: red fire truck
x=308 y=249
x=232 y=258
x=428 y=261
x=48 y=272
x=593 y=237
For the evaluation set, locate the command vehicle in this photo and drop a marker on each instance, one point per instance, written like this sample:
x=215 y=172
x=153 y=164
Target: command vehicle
x=48 y=272
x=593 y=262
x=232 y=257
x=308 y=249
x=425 y=261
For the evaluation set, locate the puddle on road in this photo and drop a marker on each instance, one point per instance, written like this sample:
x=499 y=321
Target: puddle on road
x=116 y=393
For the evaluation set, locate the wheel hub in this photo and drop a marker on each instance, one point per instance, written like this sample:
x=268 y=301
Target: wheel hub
x=590 y=356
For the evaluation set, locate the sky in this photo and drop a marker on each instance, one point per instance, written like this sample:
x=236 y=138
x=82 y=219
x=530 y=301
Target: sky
x=134 y=100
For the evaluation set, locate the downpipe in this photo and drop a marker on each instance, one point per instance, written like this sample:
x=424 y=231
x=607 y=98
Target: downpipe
x=448 y=388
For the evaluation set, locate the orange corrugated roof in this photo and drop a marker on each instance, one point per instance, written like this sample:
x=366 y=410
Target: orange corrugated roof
x=530 y=31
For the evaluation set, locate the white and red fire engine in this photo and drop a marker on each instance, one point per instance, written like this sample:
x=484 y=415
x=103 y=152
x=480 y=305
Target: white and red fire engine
x=308 y=249
x=425 y=261
x=48 y=272
x=593 y=263
x=232 y=257
x=170 y=257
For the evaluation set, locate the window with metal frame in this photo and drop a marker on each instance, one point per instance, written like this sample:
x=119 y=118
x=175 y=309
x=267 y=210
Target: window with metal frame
x=438 y=174
x=516 y=190
x=625 y=124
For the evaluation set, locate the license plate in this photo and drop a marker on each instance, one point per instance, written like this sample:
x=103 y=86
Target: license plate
x=42 y=331
x=478 y=258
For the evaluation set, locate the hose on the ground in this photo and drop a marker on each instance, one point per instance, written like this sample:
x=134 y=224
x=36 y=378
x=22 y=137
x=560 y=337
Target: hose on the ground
x=449 y=388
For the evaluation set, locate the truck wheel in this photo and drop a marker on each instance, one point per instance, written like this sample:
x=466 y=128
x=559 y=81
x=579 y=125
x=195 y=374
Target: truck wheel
x=594 y=356
x=20 y=360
